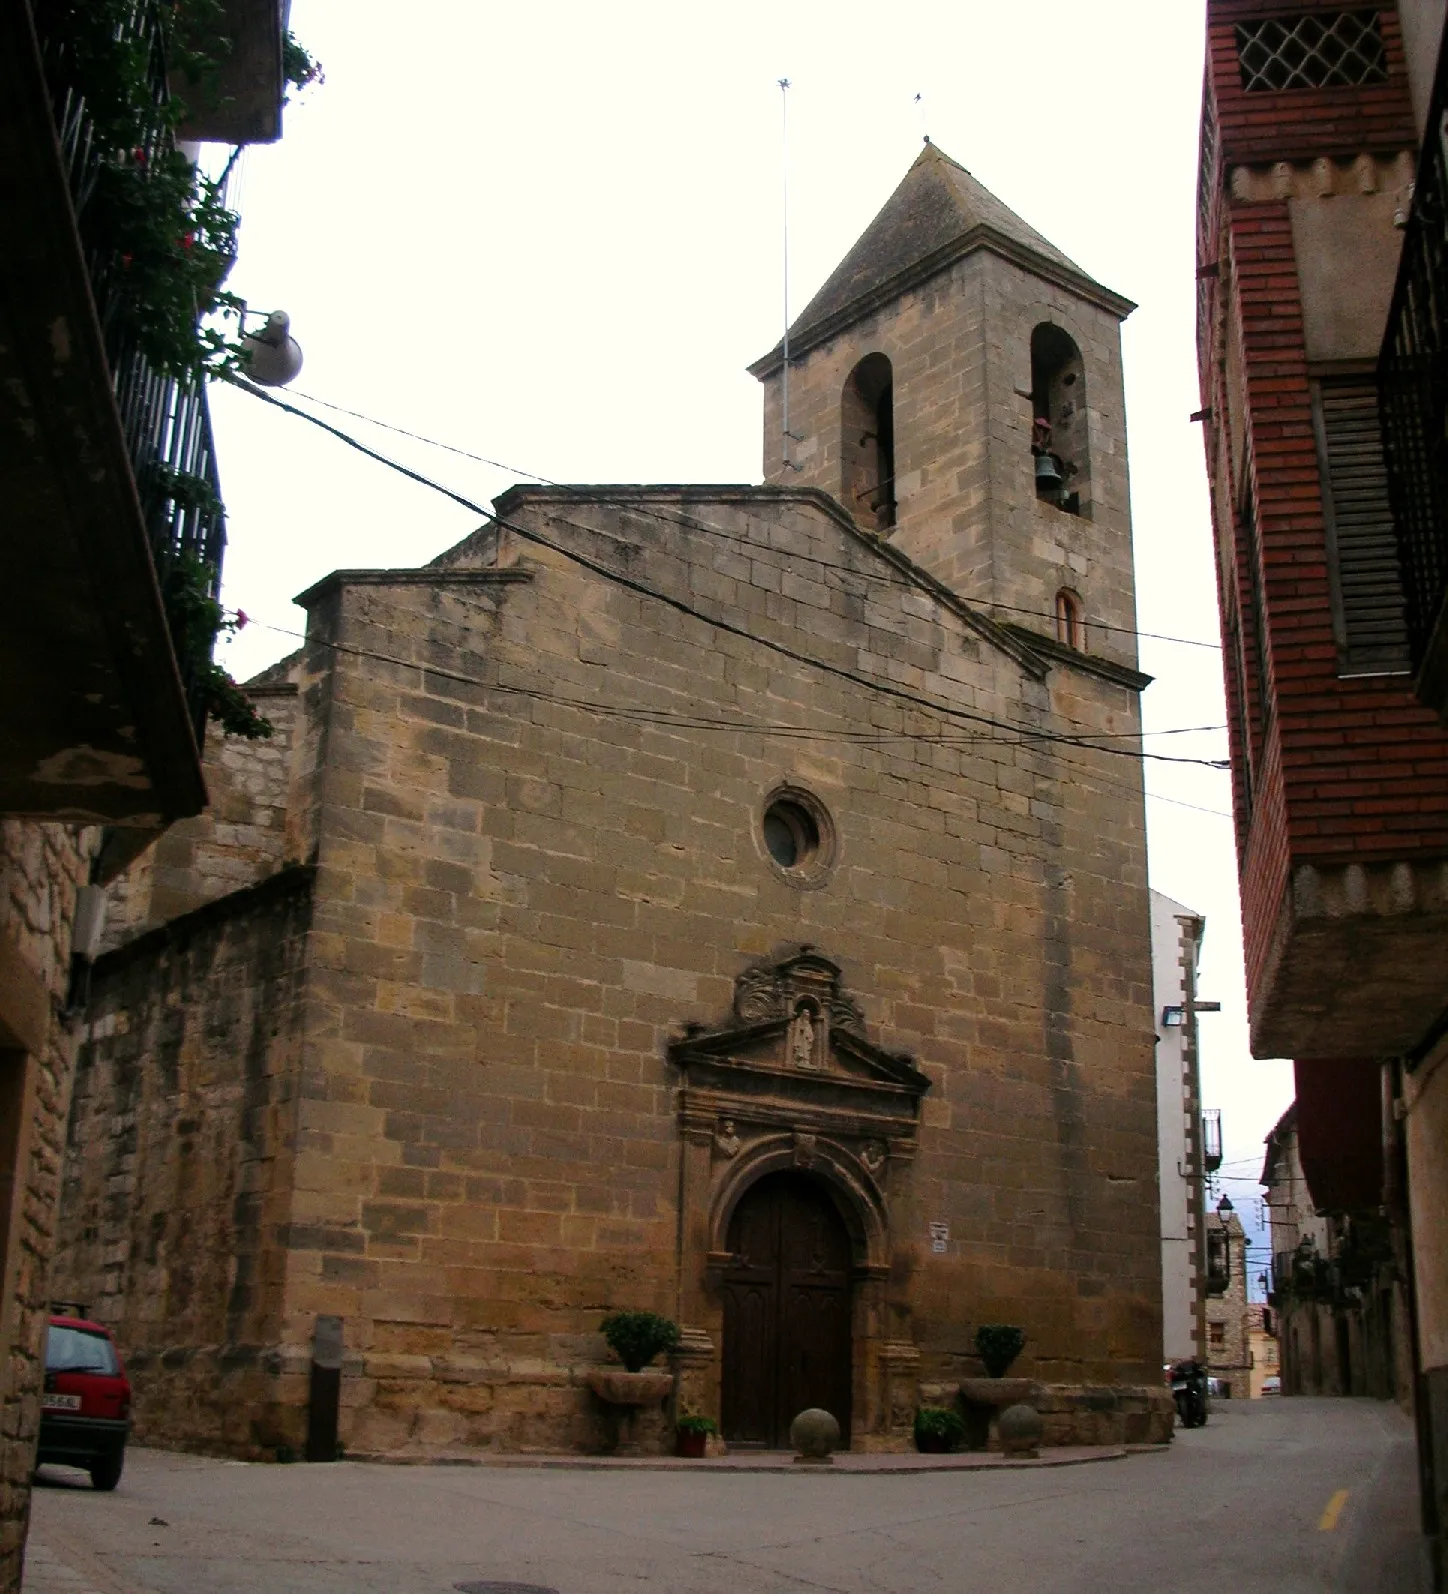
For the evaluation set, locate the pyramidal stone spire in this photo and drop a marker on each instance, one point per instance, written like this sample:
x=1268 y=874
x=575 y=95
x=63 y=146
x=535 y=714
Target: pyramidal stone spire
x=938 y=213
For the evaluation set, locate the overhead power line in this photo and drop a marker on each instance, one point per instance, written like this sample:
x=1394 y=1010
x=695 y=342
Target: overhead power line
x=1098 y=736
x=679 y=518
x=1024 y=734
x=664 y=719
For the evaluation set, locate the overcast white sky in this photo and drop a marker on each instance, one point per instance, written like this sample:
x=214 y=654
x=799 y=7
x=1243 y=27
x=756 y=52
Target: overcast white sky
x=550 y=234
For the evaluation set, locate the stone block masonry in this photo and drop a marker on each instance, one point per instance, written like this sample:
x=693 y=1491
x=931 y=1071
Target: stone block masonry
x=178 y=1166
x=539 y=856
x=242 y=836
x=42 y=868
x=968 y=510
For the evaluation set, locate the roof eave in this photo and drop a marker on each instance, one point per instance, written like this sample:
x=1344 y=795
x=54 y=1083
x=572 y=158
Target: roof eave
x=981 y=236
x=1021 y=648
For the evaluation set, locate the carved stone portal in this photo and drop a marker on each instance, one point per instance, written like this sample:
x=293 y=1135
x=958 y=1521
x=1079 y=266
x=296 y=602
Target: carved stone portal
x=792 y=1081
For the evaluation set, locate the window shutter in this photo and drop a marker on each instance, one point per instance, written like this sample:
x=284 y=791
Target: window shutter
x=1362 y=548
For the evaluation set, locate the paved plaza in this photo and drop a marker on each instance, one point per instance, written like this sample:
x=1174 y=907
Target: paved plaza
x=1284 y=1496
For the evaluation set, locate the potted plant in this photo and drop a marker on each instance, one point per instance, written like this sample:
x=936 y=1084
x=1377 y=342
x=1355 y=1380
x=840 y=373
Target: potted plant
x=938 y=1429
x=693 y=1434
x=998 y=1345
x=637 y=1337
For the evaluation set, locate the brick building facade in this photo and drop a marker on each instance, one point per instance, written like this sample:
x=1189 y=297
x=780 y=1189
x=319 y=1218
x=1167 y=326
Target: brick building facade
x=668 y=858
x=1320 y=433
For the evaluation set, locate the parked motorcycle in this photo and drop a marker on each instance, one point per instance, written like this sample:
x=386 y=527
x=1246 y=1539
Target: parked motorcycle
x=1189 y=1390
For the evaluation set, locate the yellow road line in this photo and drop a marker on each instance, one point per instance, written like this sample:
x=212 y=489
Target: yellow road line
x=1328 y=1520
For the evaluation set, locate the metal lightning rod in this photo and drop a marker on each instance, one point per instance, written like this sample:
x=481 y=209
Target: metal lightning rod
x=788 y=436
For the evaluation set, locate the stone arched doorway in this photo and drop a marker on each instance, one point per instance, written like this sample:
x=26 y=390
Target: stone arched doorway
x=787 y=1310
x=790 y=1088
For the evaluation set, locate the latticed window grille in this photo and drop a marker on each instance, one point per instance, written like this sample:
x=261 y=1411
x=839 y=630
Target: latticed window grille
x=1321 y=50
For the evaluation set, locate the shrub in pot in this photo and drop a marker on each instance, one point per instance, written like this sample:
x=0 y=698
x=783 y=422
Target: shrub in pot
x=693 y=1434
x=938 y=1429
x=637 y=1337
x=998 y=1345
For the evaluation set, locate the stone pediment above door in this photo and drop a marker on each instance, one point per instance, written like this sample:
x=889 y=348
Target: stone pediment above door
x=795 y=1054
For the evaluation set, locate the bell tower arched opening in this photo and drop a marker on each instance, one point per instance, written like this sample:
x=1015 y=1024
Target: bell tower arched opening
x=787 y=1310
x=1059 y=442
x=867 y=443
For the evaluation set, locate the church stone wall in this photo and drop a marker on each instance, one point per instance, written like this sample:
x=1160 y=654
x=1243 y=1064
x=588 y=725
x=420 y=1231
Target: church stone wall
x=178 y=1164
x=239 y=839
x=521 y=901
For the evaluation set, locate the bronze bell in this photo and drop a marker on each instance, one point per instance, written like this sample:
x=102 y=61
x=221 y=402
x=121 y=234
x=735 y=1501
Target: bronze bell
x=1048 y=476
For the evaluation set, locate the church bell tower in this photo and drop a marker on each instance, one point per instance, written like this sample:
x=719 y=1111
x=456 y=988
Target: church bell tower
x=956 y=384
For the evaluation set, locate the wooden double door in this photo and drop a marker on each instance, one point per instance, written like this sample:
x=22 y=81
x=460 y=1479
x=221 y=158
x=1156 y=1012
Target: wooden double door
x=786 y=1311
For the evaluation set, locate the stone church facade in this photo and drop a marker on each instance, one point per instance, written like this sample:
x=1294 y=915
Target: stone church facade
x=728 y=901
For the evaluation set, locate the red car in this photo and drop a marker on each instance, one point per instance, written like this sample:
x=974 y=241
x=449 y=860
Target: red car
x=85 y=1408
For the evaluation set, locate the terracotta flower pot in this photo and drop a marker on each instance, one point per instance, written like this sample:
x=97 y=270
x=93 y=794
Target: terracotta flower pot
x=693 y=1445
x=932 y=1444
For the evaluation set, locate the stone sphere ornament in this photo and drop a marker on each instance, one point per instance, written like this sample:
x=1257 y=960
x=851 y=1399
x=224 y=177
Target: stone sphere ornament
x=815 y=1435
x=1020 y=1428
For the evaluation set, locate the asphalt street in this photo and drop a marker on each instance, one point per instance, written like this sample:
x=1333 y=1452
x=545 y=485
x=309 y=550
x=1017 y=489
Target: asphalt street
x=1279 y=1495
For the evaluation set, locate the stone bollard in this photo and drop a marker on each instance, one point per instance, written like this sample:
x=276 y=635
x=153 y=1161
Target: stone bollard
x=983 y=1399
x=815 y=1434
x=1020 y=1429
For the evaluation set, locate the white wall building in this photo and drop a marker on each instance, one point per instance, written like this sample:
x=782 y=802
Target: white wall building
x=1176 y=942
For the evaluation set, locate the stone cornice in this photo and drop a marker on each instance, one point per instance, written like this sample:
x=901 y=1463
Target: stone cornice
x=290 y=880
x=1087 y=663
x=1021 y=648
x=412 y=576
x=981 y=237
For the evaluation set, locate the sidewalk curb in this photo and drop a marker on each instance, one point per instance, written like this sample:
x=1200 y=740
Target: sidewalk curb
x=847 y=1464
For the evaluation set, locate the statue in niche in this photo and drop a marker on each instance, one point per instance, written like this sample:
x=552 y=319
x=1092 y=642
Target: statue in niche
x=802 y=1040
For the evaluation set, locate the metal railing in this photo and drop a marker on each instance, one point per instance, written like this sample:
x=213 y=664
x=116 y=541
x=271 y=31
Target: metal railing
x=1211 y=1139
x=166 y=423
x=1413 y=386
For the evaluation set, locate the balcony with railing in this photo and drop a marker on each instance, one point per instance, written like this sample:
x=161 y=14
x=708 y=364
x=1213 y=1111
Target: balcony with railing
x=1211 y=1139
x=115 y=528
x=241 y=101
x=1413 y=385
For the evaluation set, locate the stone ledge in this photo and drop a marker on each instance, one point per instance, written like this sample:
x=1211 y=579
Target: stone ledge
x=750 y=1461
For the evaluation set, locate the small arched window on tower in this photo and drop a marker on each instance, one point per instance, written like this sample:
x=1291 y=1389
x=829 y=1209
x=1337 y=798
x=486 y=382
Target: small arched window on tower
x=867 y=443
x=1058 y=433
x=1070 y=628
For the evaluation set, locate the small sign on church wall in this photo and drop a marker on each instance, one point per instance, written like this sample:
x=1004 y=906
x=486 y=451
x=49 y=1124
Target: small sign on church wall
x=939 y=1237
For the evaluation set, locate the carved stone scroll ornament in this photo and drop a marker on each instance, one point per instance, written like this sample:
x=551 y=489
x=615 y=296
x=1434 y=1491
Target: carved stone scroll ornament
x=845 y=1014
x=873 y=1155
x=759 y=995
